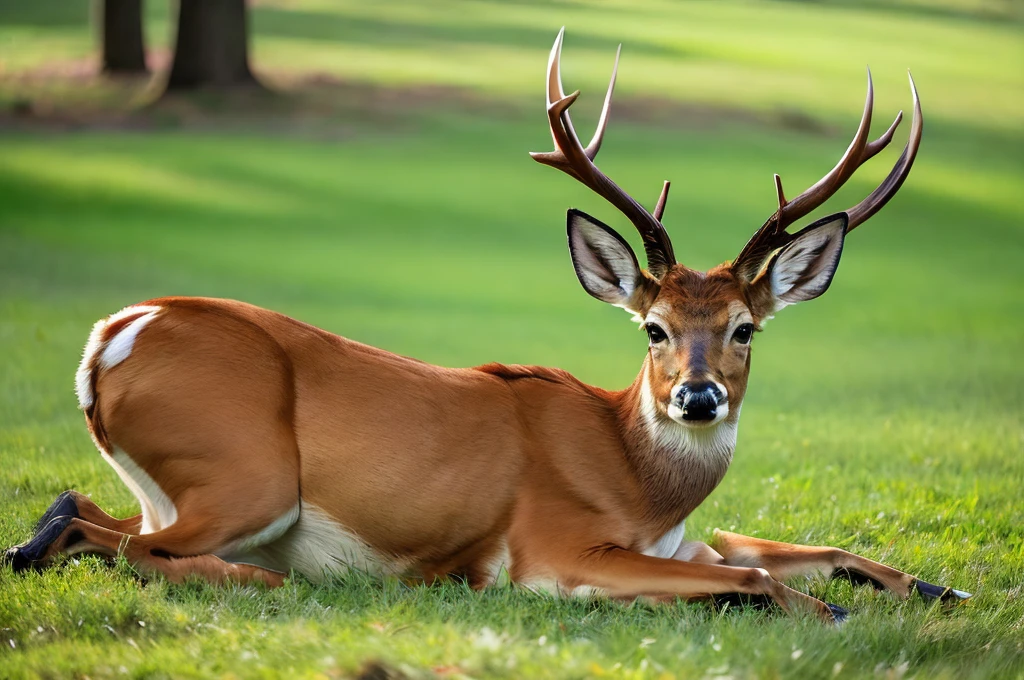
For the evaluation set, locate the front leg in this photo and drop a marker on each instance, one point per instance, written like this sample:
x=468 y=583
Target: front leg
x=626 y=574
x=785 y=561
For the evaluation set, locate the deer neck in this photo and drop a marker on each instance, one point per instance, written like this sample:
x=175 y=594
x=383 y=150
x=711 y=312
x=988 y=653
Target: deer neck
x=676 y=466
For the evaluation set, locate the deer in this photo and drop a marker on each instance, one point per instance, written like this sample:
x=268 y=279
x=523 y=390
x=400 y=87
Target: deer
x=259 y=446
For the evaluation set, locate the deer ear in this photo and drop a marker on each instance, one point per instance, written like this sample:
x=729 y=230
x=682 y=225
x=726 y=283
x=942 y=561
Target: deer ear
x=605 y=264
x=803 y=270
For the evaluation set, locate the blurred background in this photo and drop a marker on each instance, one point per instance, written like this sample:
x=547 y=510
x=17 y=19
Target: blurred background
x=363 y=166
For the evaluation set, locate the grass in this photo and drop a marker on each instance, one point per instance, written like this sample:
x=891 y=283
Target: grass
x=884 y=418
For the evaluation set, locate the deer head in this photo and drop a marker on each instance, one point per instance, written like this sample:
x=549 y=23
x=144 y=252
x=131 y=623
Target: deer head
x=700 y=324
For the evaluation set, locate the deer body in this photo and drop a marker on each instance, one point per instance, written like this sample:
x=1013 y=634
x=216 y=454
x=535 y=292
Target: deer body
x=317 y=427
x=258 y=445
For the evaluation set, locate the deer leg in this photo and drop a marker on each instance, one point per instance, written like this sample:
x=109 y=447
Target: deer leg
x=702 y=553
x=699 y=552
x=626 y=574
x=785 y=561
x=68 y=505
x=206 y=524
x=163 y=552
x=75 y=504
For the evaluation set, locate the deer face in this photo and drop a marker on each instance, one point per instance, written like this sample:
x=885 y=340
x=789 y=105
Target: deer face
x=700 y=324
x=699 y=329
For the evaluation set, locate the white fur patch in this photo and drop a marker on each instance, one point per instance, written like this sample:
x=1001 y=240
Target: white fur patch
x=738 y=314
x=158 y=511
x=115 y=351
x=707 y=441
x=666 y=546
x=318 y=547
x=813 y=258
x=500 y=564
x=606 y=267
x=120 y=346
x=658 y=319
x=551 y=586
x=586 y=592
x=268 y=534
x=689 y=551
x=83 y=377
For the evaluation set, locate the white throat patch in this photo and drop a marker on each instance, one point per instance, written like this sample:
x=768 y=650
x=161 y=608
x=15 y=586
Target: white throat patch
x=666 y=433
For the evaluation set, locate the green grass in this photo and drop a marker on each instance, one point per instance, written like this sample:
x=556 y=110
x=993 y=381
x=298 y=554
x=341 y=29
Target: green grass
x=884 y=418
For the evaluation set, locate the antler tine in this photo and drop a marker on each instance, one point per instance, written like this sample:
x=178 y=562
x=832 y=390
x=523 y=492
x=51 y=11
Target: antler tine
x=874 y=147
x=554 y=89
x=572 y=158
x=892 y=183
x=773 y=234
x=602 y=122
x=563 y=134
x=659 y=209
x=824 y=188
x=556 y=95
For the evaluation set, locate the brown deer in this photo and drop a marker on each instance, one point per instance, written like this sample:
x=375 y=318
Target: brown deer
x=257 y=444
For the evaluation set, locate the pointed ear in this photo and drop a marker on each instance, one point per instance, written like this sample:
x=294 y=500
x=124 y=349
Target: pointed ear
x=802 y=270
x=606 y=265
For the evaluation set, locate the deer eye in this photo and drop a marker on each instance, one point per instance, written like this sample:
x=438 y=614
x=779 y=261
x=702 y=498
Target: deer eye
x=743 y=333
x=655 y=333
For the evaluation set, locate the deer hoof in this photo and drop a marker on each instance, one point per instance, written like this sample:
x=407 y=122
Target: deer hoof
x=948 y=596
x=16 y=558
x=839 y=614
x=32 y=553
x=63 y=506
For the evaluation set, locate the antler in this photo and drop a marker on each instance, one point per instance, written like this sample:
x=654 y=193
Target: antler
x=773 y=235
x=571 y=158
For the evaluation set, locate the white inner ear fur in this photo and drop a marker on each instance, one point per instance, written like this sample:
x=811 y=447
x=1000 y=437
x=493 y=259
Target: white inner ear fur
x=606 y=267
x=804 y=268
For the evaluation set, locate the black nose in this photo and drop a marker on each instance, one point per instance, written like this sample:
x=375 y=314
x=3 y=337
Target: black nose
x=698 y=401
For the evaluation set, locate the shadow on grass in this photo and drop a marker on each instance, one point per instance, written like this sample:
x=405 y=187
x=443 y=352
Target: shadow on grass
x=45 y=13
x=337 y=27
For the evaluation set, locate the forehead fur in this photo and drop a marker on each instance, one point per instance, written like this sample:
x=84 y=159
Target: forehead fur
x=705 y=294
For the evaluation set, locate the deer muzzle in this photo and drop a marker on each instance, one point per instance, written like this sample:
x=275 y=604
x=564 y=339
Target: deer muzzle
x=698 y=401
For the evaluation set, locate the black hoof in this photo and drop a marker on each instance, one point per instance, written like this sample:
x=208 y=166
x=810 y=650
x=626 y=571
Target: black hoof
x=63 y=506
x=16 y=558
x=840 y=613
x=930 y=593
x=30 y=554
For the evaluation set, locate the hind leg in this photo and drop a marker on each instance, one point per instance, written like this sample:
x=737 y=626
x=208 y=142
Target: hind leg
x=198 y=422
x=67 y=506
x=211 y=519
x=178 y=552
x=74 y=504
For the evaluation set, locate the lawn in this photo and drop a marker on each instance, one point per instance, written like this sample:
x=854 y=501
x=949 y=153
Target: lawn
x=400 y=209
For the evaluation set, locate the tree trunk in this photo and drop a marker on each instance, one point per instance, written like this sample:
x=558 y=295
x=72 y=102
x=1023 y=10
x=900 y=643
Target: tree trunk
x=212 y=45
x=123 y=48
